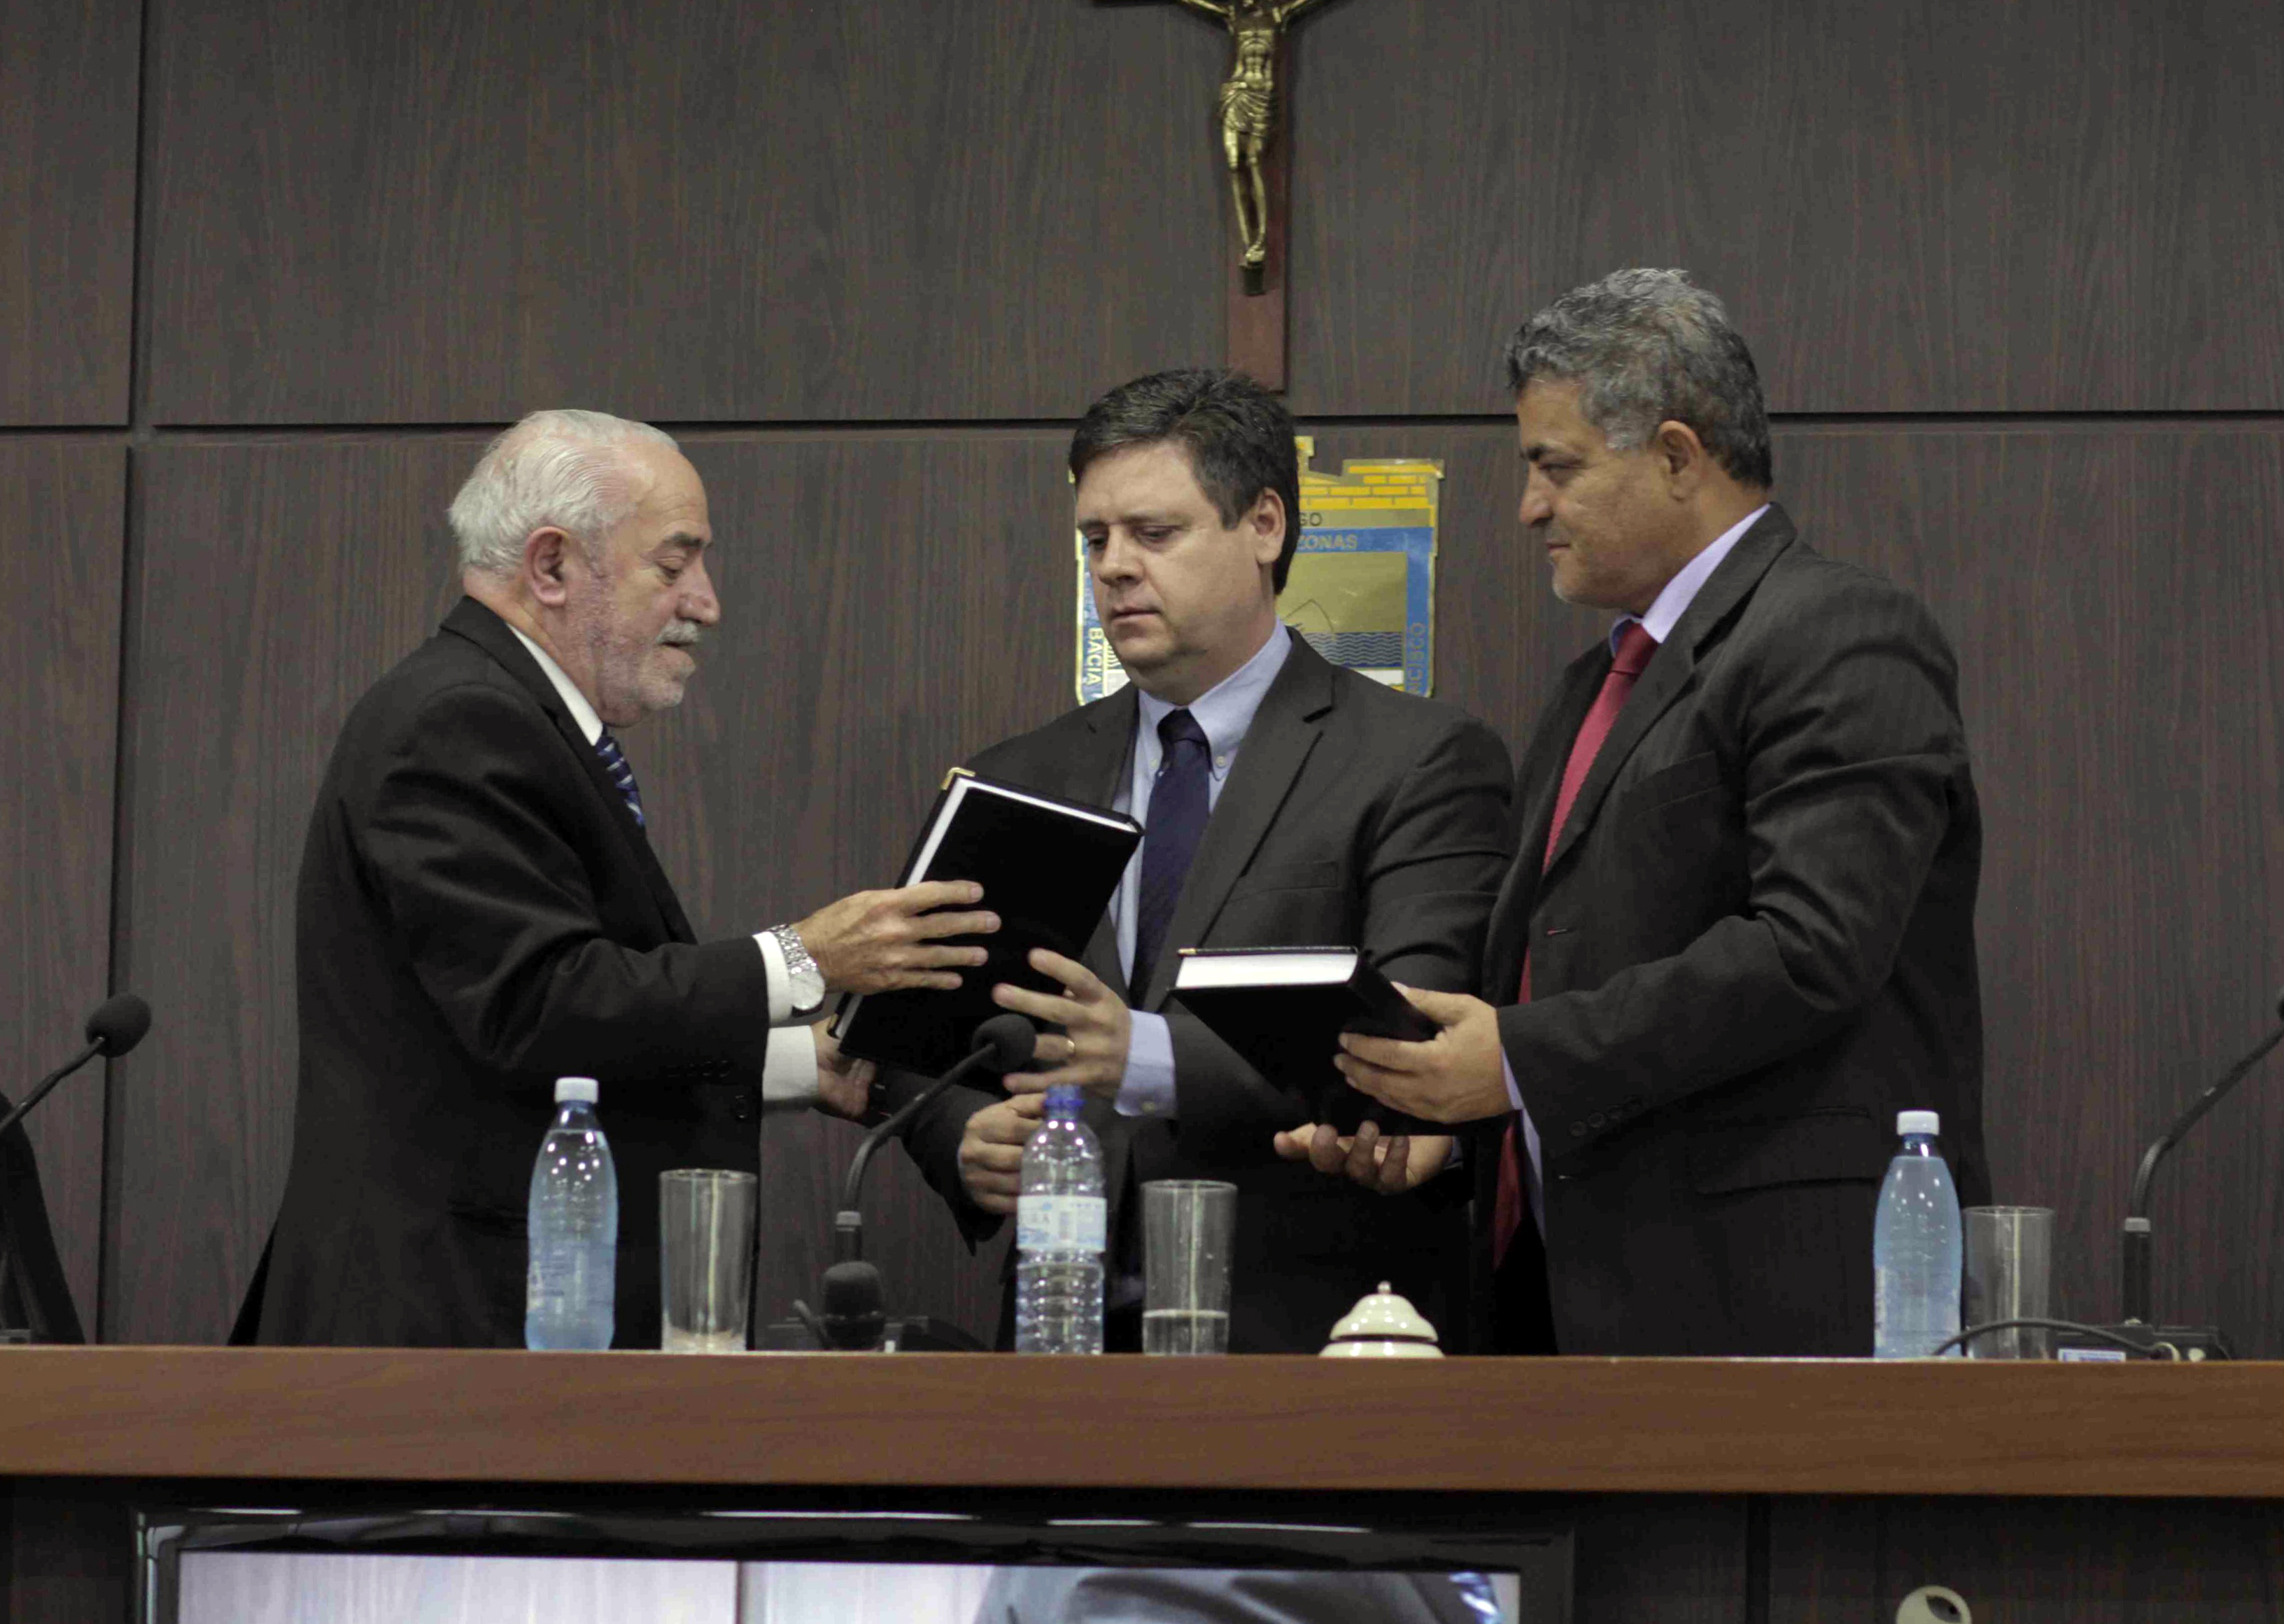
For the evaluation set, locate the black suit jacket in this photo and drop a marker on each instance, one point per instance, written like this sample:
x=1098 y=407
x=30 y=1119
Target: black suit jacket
x=1353 y=814
x=1753 y=946
x=478 y=915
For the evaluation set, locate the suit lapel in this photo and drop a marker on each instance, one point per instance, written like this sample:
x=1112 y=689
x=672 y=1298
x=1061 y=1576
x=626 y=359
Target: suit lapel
x=1285 y=730
x=1674 y=666
x=1537 y=781
x=1097 y=771
x=481 y=627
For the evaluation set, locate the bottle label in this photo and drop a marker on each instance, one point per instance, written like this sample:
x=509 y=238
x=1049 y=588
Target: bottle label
x=1061 y=1224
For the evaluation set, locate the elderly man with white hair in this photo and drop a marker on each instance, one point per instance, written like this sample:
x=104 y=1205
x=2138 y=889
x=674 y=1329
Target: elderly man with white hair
x=480 y=912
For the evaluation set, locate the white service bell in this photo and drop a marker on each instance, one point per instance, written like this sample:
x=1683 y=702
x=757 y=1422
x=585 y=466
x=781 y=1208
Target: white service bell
x=1383 y=1325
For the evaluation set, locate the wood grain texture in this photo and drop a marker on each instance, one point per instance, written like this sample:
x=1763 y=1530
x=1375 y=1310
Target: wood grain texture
x=2042 y=204
x=1646 y=1427
x=2029 y=1561
x=68 y=86
x=894 y=605
x=2117 y=600
x=443 y=211
x=274 y=584
x=1655 y=1557
x=70 y=1554
x=59 y=734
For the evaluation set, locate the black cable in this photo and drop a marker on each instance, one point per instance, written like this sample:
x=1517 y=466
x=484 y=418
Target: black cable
x=2096 y=1332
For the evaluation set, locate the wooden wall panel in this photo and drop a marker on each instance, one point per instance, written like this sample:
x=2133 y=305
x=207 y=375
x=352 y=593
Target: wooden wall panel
x=2117 y=598
x=281 y=580
x=898 y=602
x=894 y=605
x=2040 y=205
x=274 y=583
x=2028 y=1561
x=59 y=730
x=446 y=211
x=68 y=74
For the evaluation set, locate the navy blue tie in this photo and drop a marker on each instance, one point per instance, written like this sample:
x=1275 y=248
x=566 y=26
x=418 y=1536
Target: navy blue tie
x=615 y=762
x=1178 y=805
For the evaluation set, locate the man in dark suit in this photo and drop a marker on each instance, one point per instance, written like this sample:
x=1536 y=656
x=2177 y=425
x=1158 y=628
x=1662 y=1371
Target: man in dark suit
x=1287 y=802
x=1738 y=937
x=480 y=912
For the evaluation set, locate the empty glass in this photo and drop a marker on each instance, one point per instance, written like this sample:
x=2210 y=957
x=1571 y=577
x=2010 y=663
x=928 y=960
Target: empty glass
x=2010 y=1254
x=706 y=1258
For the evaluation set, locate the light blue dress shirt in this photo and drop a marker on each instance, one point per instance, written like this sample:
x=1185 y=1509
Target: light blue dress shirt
x=1226 y=713
x=1665 y=612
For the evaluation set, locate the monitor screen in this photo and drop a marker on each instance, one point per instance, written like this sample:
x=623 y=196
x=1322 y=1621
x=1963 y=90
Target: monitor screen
x=1009 y=1561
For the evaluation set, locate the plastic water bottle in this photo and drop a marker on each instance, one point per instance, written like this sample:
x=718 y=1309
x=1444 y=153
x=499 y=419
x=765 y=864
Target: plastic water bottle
x=1916 y=1251
x=572 y=1286
x=1060 y=1222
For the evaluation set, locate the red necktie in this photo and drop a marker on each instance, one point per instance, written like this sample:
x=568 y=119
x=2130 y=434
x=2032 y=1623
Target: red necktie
x=1635 y=646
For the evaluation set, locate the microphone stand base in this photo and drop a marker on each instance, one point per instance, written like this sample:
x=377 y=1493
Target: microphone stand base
x=912 y=1334
x=2196 y=1344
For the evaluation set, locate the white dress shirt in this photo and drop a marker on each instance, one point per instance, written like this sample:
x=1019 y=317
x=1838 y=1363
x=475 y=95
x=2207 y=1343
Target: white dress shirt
x=789 y=1065
x=1224 y=713
x=1665 y=612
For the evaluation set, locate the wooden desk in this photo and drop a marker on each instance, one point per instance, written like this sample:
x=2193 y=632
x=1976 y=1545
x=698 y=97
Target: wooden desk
x=1704 y=1489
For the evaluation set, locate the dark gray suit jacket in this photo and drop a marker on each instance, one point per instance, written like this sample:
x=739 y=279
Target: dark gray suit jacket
x=479 y=914
x=1753 y=946
x=1354 y=815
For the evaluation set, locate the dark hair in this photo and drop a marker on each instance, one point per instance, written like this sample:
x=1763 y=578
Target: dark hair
x=1238 y=437
x=1649 y=346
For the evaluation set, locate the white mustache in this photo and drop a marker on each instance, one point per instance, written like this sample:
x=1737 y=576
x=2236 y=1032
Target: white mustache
x=683 y=634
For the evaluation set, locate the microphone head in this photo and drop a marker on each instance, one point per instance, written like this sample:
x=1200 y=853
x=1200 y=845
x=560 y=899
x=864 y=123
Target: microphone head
x=1011 y=1039
x=118 y=1024
x=852 y=1313
x=2279 y=1006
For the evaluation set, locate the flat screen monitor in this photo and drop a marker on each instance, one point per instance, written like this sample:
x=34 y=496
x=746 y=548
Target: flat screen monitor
x=597 y=1557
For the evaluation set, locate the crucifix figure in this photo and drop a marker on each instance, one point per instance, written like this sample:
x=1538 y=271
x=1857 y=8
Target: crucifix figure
x=1249 y=108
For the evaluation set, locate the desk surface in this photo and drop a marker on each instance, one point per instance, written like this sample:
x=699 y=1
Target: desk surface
x=1581 y=1425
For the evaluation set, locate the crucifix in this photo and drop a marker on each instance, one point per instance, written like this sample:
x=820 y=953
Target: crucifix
x=1247 y=113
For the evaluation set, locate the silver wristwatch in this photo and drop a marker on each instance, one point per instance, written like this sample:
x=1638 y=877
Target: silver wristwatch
x=805 y=982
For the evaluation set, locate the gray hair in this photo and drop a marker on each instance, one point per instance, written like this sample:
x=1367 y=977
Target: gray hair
x=562 y=468
x=1649 y=346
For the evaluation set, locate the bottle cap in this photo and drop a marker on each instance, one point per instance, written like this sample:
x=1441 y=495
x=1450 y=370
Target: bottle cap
x=1918 y=1122
x=1065 y=1099
x=568 y=1089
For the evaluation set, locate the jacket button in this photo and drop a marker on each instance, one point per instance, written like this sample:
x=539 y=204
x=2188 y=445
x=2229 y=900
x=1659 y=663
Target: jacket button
x=1598 y=1121
x=1577 y=1130
x=743 y=1111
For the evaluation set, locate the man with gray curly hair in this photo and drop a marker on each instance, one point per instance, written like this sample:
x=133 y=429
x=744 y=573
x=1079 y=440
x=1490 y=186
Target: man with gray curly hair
x=480 y=912
x=1738 y=937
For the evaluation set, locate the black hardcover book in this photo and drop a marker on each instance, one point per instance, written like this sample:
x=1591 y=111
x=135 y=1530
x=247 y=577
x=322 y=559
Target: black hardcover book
x=1284 y=1009
x=1048 y=867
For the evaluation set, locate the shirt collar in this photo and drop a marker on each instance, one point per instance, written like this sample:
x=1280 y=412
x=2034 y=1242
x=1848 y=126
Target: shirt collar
x=1666 y=611
x=574 y=701
x=1225 y=710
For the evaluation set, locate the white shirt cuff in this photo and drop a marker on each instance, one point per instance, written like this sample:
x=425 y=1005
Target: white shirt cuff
x=781 y=1010
x=789 y=1069
x=1147 y=1088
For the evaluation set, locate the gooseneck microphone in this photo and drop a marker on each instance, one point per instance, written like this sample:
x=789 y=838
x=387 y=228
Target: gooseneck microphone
x=118 y=1024
x=2136 y=1291
x=852 y=1299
